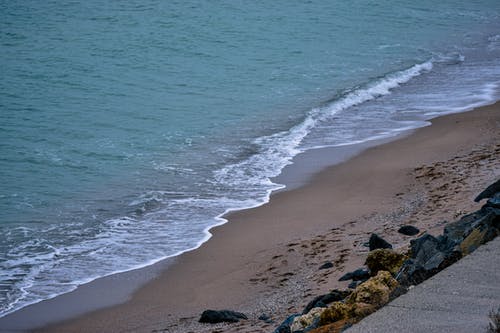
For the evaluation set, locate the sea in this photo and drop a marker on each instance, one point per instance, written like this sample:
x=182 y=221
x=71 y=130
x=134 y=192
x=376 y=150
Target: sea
x=128 y=128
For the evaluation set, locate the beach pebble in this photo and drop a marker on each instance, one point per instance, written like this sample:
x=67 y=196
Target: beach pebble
x=408 y=230
x=326 y=265
x=265 y=318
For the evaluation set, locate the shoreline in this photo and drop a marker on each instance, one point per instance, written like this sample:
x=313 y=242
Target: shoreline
x=254 y=255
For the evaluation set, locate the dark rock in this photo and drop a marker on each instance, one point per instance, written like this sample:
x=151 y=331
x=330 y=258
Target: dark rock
x=423 y=248
x=377 y=242
x=489 y=192
x=354 y=284
x=494 y=201
x=265 y=318
x=285 y=325
x=361 y=274
x=408 y=230
x=326 y=265
x=429 y=255
x=322 y=301
x=228 y=316
x=485 y=221
x=398 y=291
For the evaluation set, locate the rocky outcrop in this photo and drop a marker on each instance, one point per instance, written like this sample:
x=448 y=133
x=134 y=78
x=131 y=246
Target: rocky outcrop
x=430 y=254
x=377 y=242
x=392 y=273
x=215 y=316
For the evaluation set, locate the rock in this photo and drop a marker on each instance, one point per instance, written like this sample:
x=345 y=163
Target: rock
x=213 y=316
x=323 y=300
x=326 y=265
x=307 y=321
x=486 y=220
x=472 y=242
x=335 y=312
x=360 y=274
x=339 y=326
x=377 y=242
x=285 y=325
x=429 y=255
x=494 y=201
x=408 y=230
x=354 y=284
x=489 y=192
x=372 y=294
x=265 y=318
x=384 y=260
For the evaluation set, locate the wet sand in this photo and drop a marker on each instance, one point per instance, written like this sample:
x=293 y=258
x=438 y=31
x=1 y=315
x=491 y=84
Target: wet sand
x=265 y=260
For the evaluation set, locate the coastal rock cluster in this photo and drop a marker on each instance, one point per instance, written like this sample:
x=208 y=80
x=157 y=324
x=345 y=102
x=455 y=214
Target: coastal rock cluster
x=388 y=272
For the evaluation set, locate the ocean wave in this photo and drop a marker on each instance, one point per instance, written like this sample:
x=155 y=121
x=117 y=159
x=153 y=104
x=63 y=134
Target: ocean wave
x=277 y=151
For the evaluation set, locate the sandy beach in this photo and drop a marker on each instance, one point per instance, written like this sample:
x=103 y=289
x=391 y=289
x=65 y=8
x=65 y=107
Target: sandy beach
x=265 y=260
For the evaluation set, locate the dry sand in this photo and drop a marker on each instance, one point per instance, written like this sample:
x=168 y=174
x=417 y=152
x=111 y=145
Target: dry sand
x=266 y=259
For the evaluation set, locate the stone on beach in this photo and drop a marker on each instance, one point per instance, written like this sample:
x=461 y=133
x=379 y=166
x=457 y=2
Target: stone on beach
x=326 y=265
x=489 y=192
x=408 y=230
x=377 y=242
x=214 y=316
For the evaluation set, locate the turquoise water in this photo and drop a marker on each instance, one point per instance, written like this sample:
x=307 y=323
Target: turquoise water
x=128 y=128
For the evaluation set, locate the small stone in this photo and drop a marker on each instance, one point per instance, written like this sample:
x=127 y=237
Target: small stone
x=326 y=265
x=377 y=242
x=265 y=318
x=408 y=230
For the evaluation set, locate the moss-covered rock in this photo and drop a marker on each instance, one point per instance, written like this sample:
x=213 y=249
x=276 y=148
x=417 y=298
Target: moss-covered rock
x=384 y=260
x=472 y=241
x=372 y=294
x=336 y=327
x=307 y=320
x=335 y=312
